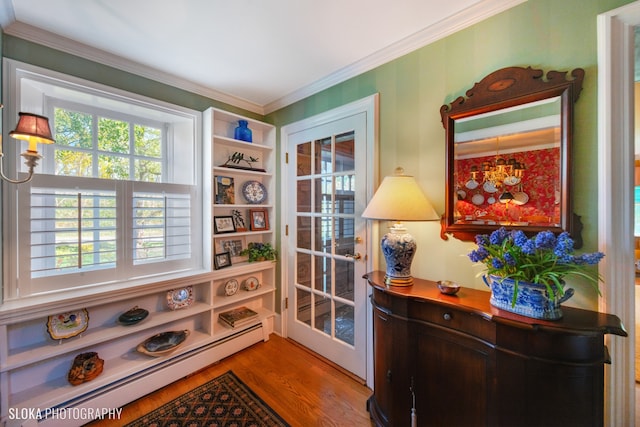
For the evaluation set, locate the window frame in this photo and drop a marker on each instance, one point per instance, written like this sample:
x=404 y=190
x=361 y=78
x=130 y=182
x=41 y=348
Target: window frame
x=17 y=283
x=48 y=151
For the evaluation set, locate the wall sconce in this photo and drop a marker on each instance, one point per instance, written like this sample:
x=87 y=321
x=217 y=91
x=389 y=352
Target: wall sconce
x=34 y=129
x=399 y=198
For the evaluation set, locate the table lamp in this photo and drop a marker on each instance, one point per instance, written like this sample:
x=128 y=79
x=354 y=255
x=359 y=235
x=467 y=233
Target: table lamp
x=399 y=199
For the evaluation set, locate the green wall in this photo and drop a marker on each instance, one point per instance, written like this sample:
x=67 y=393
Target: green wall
x=545 y=34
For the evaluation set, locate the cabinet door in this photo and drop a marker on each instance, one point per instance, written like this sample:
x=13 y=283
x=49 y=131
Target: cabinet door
x=453 y=380
x=570 y=395
x=561 y=371
x=392 y=404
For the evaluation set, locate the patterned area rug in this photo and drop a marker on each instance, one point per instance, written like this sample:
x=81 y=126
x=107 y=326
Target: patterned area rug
x=222 y=402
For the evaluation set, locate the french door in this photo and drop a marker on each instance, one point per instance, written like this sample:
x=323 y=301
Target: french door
x=326 y=191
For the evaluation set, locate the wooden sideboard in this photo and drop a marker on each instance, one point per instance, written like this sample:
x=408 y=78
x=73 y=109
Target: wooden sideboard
x=467 y=363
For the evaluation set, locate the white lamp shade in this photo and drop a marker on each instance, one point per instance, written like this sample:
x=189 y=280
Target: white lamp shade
x=399 y=198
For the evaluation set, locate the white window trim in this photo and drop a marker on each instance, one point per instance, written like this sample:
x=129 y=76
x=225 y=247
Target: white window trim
x=190 y=122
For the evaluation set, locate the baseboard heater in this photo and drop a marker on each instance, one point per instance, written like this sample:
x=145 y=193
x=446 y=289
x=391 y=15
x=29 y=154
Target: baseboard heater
x=149 y=380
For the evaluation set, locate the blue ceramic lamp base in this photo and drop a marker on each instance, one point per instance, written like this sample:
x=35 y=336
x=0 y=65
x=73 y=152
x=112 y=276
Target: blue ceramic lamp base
x=398 y=248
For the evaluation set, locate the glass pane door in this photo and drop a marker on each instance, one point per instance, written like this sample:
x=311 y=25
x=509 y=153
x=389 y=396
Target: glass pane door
x=327 y=231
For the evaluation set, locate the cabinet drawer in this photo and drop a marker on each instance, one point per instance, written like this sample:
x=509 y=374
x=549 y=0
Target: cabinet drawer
x=452 y=318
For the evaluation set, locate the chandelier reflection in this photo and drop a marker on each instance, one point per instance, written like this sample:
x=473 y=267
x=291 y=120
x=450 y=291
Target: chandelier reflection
x=498 y=174
x=508 y=172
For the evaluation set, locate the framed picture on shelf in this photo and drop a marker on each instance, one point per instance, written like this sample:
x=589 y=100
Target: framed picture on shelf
x=238 y=220
x=222 y=260
x=223 y=224
x=225 y=190
x=234 y=247
x=258 y=219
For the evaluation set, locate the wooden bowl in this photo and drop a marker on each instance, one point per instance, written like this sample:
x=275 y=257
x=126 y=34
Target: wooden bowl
x=448 y=287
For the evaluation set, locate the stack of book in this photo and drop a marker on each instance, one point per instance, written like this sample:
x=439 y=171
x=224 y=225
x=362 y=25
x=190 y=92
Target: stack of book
x=237 y=317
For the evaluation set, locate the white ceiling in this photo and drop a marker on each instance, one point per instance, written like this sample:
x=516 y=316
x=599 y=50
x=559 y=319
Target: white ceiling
x=256 y=54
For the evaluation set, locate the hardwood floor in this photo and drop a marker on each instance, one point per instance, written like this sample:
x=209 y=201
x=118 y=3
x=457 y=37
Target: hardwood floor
x=301 y=387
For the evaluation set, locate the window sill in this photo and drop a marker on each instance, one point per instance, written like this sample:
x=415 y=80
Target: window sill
x=46 y=304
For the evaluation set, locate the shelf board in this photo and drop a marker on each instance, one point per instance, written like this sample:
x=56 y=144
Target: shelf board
x=242 y=295
x=241 y=144
x=92 y=336
x=242 y=268
x=56 y=391
x=241 y=233
x=229 y=117
x=224 y=170
x=236 y=206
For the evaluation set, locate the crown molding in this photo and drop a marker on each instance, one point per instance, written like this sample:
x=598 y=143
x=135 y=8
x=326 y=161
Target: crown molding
x=63 y=44
x=471 y=15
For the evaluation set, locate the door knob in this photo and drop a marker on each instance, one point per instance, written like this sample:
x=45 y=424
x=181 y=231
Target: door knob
x=355 y=256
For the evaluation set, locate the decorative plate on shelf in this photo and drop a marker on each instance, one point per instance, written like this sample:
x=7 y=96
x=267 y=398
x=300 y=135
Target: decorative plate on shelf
x=254 y=192
x=231 y=287
x=180 y=298
x=133 y=316
x=69 y=324
x=162 y=343
x=251 y=283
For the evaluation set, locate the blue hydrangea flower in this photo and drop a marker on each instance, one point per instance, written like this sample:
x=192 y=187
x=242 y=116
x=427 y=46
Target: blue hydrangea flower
x=497 y=263
x=519 y=238
x=529 y=247
x=544 y=258
x=482 y=239
x=479 y=254
x=590 y=259
x=498 y=236
x=510 y=259
x=564 y=248
x=545 y=240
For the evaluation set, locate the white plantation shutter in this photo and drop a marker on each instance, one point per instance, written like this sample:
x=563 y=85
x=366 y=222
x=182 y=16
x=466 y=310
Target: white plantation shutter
x=161 y=226
x=88 y=231
x=72 y=230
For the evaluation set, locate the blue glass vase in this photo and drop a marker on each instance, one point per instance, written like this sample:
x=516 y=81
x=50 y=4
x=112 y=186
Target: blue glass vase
x=242 y=132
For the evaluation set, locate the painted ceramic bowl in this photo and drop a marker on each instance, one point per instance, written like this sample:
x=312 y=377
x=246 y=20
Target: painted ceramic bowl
x=448 y=287
x=133 y=316
x=163 y=343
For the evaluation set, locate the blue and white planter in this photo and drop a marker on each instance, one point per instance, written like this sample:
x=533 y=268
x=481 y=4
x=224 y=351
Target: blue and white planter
x=533 y=299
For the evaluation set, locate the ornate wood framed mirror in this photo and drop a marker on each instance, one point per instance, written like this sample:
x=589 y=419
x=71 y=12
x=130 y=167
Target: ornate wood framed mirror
x=509 y=154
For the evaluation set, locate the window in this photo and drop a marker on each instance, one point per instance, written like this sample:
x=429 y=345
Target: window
x=114 y=199
x=95 y=145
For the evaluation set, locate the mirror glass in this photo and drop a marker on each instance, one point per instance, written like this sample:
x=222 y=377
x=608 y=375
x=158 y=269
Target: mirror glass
x=509 y=154
x=507 y=166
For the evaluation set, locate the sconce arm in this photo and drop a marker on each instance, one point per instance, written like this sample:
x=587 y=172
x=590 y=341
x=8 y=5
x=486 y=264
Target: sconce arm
x=31 y=160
